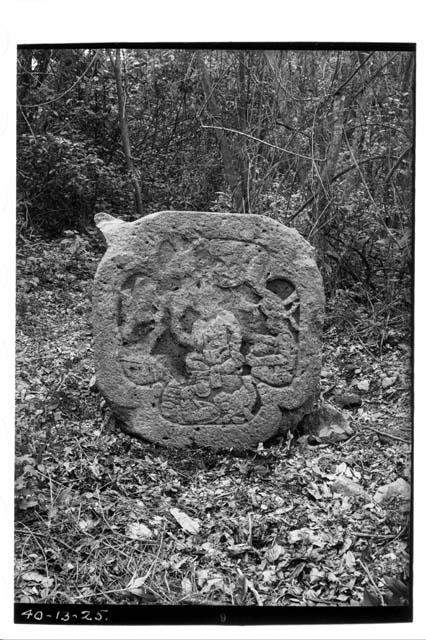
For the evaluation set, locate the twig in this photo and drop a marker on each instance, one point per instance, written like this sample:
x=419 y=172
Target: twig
x=250 y=586
x=338 y=90
x=249 y=537
x=26 y=120
x=33 y=534
x=197 y=601
x=374 y=75
x=373 y=202
x=350 y=439
x=359 y=534
x=370 y=577
x=389 y=536
x=397 y=163
x=268 y=144
x=336 y=177
x=42 y=104
x=386 y=435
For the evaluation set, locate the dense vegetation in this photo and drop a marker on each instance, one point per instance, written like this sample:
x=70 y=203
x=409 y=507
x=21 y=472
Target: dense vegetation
x=322 y=140
x=319 y=140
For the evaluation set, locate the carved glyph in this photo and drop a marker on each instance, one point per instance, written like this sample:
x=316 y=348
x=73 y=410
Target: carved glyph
x=207 y=327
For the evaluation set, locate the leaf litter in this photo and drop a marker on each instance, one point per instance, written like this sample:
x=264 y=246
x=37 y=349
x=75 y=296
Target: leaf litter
x=105 y=518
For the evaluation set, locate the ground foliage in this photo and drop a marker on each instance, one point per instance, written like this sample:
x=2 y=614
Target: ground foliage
x=105 y=518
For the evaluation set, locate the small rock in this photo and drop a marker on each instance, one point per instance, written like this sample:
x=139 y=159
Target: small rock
x=347 y=487
x=348 y=400
x=329 y=425
x=388 y=382
x=363 y=385
x=399 y=488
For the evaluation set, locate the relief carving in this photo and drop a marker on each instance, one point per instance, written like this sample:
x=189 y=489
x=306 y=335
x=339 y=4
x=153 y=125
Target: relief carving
x=212 y=336
x=207 y=324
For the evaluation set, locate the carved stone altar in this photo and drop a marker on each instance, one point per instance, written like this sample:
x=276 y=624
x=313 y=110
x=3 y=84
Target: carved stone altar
x=207 y=327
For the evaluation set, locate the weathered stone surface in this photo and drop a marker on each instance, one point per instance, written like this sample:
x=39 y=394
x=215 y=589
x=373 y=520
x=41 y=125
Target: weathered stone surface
x=347 y=487
x=348 y=400
x=399 y=488
x=207 y=327
x=327 y=424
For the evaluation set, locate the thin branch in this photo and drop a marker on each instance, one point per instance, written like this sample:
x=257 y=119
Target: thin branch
x=336 y=177
x=338 y=90
x=373 y=202
x=26 y=120
x=361 y=175
x=268 y=144
x=42 y=104
x=298 y=131
x=386 y=435
x=370 y=577
x=296 y=98
x=375 y=74
x=397 y=163
x=378 y=536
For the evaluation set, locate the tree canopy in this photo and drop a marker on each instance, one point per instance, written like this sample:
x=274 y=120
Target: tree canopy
x=319 y=139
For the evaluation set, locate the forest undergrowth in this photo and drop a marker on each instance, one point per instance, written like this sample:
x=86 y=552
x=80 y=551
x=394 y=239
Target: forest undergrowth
x=105 y=518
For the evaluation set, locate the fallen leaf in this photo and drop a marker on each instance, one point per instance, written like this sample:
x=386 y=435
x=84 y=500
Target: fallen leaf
x=274 y=553
x=33 y=576
x=239 y=549
x=388 y=382
x=327 y=493
x=306 y=535
x=138 y=531
x=342 y=598
x=208 y=548
x=188 y=524
x=313 y=490
x=88 y=524
x=186 y=586
x=346 y=545
x=350 y=560
x=370 y=599
x=135 y=585
x=216 y=582
x=298 y=569
x=202 y=576
x=347 y=487
x=315 y=575
x=282 y=510
x=269 y=575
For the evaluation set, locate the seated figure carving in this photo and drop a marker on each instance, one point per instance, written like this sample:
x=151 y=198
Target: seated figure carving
x=216 y=391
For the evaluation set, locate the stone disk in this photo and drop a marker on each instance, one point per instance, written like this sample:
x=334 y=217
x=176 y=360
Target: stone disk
x=207 y=327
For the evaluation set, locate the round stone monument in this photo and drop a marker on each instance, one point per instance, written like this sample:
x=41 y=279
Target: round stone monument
x=207 y=327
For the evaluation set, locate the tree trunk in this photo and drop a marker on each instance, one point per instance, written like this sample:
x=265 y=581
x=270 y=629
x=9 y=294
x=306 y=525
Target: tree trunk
x=230 y=161
x=337 y=120
x=242 y=156
x=125 y=131
x=24 y=85
x=323 y=211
